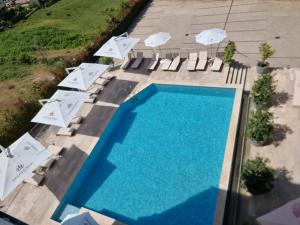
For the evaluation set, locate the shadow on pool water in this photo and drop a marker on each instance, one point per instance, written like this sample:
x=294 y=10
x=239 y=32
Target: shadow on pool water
x=191 y=212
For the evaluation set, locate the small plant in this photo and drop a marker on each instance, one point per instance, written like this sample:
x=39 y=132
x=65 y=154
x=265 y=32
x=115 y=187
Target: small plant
x=257 y=176
x=25 y=59
x=11 y=86
x=266 y=52
x=263 y=89
x=106 y=60
x=260 y=126
x=229 y=51
x=125 y=5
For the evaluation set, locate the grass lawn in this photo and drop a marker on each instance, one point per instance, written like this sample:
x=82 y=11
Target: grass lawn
x=57 y=31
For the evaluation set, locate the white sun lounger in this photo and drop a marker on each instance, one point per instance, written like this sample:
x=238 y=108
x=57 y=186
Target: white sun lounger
x=202 y=60
x=192 y=61
x=55 y=150
x=138 y=61
x=167 y=62
x=126 y=62
x=102 y=81
x=66 y=131
x=296 y=96
x=95 y=89
x=154 y=61
x=91 y=99
x=175 y=63
x=217 y=64
x=108 y=76
x=35 y=180
x=76 y=120
x=48 y=163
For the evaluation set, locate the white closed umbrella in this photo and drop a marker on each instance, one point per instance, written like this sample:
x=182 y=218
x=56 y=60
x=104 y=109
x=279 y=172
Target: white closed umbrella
x=61 y=108
x=288 y=214
x=158 y=39
x=117 y=46
x=83 y=76
x=79 y=219
x=211 y=36
x=18 y=161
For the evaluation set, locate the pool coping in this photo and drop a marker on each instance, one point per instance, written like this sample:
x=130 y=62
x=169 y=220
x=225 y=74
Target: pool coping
x=230 y=143
x=224 y=184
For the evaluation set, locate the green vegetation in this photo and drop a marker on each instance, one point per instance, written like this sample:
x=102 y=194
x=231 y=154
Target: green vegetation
x=266 y=52
x=12 y=122
x=12 y=15
x=229 y=51
x=47 y=57
x=106 y=60
x=64 y=25
x=257 y=176
x=263 y=89
x=260 y=126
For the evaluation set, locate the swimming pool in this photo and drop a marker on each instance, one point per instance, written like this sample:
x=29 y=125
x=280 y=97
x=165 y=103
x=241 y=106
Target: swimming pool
x=159 y=160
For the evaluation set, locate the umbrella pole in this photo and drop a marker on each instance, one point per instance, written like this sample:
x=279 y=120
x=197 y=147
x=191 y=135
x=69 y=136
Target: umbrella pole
x=159 y=50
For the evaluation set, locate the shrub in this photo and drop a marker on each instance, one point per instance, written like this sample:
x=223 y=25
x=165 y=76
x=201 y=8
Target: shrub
x=125 y=5
x=106 y=60
x=266 y=52
x=229 y=51
x=16 y=122
x=263 y=89
x=25 y=59
x=34 y=4
x=260 y=125
x=257 y=176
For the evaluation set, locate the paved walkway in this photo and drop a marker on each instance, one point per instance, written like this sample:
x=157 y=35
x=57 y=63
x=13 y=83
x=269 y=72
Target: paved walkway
x=247 y=22
x=283 y=153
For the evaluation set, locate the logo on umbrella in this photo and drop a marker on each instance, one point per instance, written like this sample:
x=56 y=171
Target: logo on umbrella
x=19 y=167
x=26 y=148
x=110 y=49
x=69 y=105
x=75 y=79
x=51 y=114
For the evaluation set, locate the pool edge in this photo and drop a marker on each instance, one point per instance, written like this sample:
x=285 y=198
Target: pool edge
x=228 y=159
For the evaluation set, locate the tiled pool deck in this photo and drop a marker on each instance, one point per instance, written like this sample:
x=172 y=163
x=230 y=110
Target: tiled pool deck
x=40 y=202
x=248 y=23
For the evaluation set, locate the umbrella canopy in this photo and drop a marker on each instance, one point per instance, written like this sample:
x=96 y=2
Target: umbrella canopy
x=211 y=36
x=288 y=214
x=79 y=219
x=158 y=39
x=117 y=47
x=61 y=108
x=24 y=156
x=83 y=76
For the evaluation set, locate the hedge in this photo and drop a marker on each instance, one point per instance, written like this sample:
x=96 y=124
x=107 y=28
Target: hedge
x=15 y=122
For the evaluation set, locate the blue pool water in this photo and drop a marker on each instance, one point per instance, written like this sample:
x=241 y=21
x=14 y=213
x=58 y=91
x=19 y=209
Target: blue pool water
x=159 y=160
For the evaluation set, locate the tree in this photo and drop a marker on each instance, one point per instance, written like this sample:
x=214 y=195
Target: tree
x=260 y=126
x=266 y=52
x=229 y=52
x=263 y=89
x=257 y=176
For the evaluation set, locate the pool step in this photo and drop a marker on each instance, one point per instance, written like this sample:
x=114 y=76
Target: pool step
x=236 y=74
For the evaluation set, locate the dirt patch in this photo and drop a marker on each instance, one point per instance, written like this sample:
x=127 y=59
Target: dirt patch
x=13 y=89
